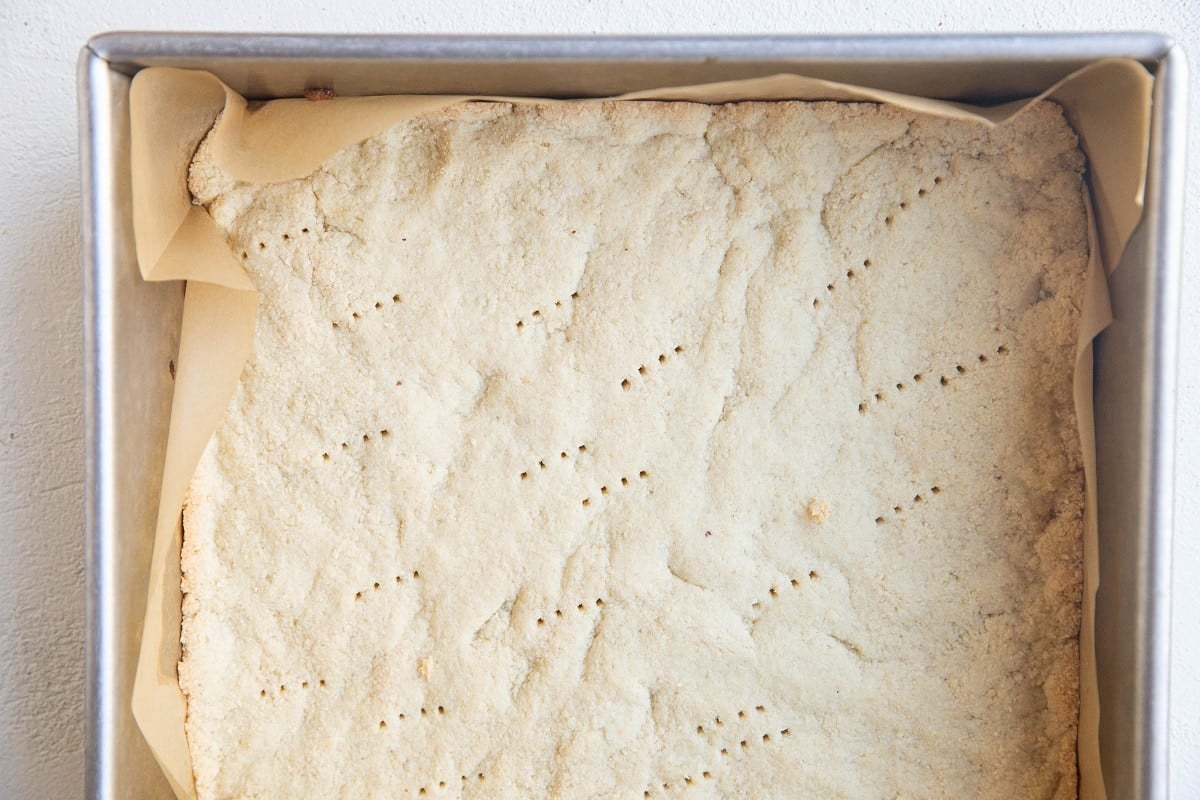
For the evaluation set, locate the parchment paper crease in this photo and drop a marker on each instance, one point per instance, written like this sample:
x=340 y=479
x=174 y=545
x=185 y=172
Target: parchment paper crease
x=1108 y=104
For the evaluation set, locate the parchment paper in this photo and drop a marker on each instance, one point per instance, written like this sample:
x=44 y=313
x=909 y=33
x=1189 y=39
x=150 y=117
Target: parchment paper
x=1108 y=104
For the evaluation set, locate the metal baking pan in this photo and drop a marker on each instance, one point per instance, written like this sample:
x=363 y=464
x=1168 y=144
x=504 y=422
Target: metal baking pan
x=131 y=327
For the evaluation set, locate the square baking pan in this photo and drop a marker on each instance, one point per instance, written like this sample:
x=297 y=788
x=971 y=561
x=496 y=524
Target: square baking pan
x=132 y=327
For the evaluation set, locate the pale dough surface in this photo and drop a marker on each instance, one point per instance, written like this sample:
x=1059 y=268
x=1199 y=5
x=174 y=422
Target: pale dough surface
x=648 y=450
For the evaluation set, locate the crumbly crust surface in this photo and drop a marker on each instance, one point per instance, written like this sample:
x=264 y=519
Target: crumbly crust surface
x=648 y=450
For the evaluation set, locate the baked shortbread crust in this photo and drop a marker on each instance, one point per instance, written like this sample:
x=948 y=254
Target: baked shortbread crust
x=648 y=450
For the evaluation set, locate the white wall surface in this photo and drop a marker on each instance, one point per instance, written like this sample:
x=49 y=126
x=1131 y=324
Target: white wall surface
x=41 y=426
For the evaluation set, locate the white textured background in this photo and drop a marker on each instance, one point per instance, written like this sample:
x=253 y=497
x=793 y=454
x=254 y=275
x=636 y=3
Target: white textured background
x=41 y=369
